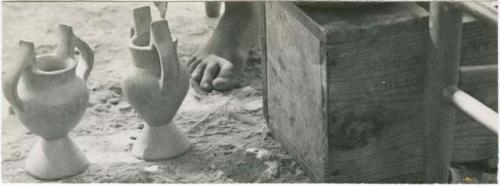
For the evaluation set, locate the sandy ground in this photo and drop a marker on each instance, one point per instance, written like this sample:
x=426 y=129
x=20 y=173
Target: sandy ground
x=225 y=128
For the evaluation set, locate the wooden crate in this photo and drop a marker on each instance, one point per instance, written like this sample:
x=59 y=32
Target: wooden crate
x=344 y=89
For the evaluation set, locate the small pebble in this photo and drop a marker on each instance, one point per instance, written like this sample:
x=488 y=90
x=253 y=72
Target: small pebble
x=133 y=137
x=248 y=91
x=197 y=32
x=268 y=136
x=253 y=106
x=261 y=154
x=212 y=167
x=116 y=125
x=114 y=101
x=100 y=108
x=123 y=107
x=272 y=167
x=153 y=168
x=140 y=126
x=116 y=89
x=468 y=179
x=299 y=172
x=227 y=146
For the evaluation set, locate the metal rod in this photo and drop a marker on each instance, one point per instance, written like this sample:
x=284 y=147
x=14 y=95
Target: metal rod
x=472 y=107
x=479 y=10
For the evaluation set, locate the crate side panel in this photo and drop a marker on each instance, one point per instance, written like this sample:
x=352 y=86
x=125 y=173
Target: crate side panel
x=479 y=43
x=375 y=91
x=294 y=87
x=472 y=141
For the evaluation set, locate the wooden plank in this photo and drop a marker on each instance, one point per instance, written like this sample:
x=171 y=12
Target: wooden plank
x=445 y=25
x=305 y=20
x=375 y=90
x=479 y=43
x=478 y=73
x=294 y=91
x=472 y=141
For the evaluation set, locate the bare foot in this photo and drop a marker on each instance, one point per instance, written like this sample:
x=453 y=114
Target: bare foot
x=219 y=64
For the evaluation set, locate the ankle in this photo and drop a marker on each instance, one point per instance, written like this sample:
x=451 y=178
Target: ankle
x=240 y=9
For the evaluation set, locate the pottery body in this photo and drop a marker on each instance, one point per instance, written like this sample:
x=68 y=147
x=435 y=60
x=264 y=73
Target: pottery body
x=53 y=100
x=156 y=88
x=143 y=88
x=160 y=142
x=49 y=95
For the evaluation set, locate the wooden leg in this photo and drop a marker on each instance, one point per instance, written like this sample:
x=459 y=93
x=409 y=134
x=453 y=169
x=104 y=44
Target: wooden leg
x=445 y=24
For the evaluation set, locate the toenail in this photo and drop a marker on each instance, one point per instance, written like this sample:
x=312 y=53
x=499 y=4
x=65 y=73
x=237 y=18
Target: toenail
x=206 y=85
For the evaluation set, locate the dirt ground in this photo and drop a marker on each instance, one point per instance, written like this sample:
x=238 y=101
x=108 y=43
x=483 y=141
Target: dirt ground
x=231 y=142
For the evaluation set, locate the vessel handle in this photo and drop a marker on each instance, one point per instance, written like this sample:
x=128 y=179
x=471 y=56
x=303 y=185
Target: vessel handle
x=167 y=52
x=87 y=55
x=27 y=57
x=66 y=49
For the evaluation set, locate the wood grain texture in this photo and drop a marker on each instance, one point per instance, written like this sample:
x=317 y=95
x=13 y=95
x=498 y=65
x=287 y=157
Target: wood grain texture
x=375 y=96
x=472 y=141
x=294 y=93
x=445 y=24
x=479 y=47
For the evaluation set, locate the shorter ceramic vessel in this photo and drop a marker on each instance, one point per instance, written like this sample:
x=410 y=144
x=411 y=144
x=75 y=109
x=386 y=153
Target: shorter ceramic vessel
x=50 y=99
x=156 y=88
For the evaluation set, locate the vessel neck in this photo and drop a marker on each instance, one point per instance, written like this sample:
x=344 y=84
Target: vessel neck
x=49 y=72
x=144 y=54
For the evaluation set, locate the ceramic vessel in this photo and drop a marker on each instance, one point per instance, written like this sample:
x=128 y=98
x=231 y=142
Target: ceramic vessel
x=50 y=99
x=156 y=88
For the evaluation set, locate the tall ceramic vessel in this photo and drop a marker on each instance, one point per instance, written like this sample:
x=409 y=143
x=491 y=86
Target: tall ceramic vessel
x=156 y=89
x=50 y=99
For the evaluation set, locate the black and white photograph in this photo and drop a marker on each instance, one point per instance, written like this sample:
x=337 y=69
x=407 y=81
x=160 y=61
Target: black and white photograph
x=186 y=92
